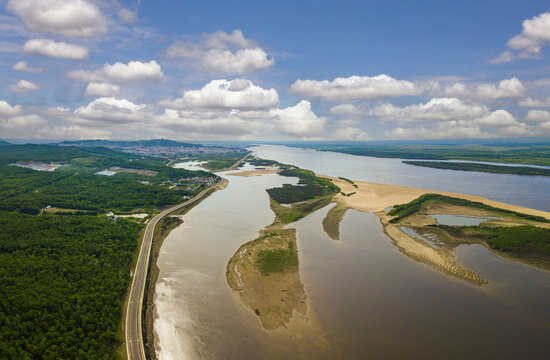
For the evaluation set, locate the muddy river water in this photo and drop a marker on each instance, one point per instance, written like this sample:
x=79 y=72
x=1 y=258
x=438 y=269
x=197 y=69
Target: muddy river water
x=366 y=300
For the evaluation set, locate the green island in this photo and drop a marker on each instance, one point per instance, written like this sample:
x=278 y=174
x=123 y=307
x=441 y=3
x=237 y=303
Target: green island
x=71 y=220
x=514 y=153
x=512 y=234
x=497 y=169
x=264 y=272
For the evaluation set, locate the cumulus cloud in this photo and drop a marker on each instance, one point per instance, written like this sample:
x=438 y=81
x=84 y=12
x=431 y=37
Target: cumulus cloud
x=355 y=88
x=508 y=88
x=65 y=17
x=237 y=94
x=451 y=118
x=23 y=66
x=537 y=116
x=530 y=102
x=101 y=89
x=59 y=50
x=6 y=110
x=439 y=131
x=528 y=44
x=112 y=110
x=350 y=110
x=350 y=134
x=23 y=87
x=300 y=121
x=436 y=109
x=119 y=72
x=221 y=52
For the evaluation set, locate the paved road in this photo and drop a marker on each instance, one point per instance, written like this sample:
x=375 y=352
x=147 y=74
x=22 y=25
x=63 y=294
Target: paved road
x=134 y=341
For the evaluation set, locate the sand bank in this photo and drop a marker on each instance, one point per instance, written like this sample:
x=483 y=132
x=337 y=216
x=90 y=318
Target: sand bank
x=373 y=197
x=250 y=173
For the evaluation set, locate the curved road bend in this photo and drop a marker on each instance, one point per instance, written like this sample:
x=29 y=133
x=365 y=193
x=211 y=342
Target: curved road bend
x=134 y=341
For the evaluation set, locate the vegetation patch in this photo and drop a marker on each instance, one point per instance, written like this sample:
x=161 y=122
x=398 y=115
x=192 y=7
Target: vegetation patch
x=62 y=282
x=405 y=210
x=497 y=169
x=278 y=260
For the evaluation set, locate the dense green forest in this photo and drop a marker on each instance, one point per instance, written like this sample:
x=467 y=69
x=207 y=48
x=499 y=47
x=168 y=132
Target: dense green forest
x=309 y=187
x=63 y=276
x=498 y=169
x=62 y=283
x=535 y=154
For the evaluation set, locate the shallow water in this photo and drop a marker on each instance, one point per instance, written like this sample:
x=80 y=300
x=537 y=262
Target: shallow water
x=371 y=300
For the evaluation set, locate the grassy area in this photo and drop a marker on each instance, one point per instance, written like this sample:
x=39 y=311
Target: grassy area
x=287 y=215
x=526 y=153
x=276 y=261
x=497 y=169
x=405 y=210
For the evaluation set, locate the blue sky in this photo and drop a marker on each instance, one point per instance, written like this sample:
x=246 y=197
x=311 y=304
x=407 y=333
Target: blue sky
x=286 y=70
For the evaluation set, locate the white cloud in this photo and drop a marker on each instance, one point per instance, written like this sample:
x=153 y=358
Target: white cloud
x=530 y=102
x=350 y=110
x=300 y=121
x=119 y=72
x=237 y=94
x=112 y=110
x=355 y=88
x=527 y=45
x=437 y=109
x=23 y=87
x=65 y=17
x=438 y=131
x=101 y=89
x=537 y=116
x=127 y=15
x=23 y=66
x=509 y=88
x=350 y=134
x=498 y=118
x=223 y=53
x=6 y=110
x=59 y=50
x=22 y=124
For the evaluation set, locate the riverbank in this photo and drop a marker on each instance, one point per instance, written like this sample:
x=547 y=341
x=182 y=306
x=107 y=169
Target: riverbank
x=377 y=198
x=162 y=230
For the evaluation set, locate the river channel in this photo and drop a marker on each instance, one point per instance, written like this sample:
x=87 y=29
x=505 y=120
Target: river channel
x=366 y=300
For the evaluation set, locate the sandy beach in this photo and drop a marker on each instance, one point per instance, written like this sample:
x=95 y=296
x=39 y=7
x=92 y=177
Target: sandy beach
x=373 y=197
x=259 y=172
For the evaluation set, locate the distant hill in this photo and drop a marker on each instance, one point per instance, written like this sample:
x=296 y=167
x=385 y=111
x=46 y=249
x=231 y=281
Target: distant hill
x=146 y=143
x=4 y=143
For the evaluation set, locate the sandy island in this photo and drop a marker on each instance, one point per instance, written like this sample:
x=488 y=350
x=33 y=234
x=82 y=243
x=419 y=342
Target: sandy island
x=258 y=172
x=375 y=198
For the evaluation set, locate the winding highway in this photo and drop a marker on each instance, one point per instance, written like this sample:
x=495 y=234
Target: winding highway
x=134 y=341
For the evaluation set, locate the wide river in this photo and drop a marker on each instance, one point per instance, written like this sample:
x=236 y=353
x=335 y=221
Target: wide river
x=364 y=296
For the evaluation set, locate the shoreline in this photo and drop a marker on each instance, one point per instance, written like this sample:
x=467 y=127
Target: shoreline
x=376 y=198
x=150 y=342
